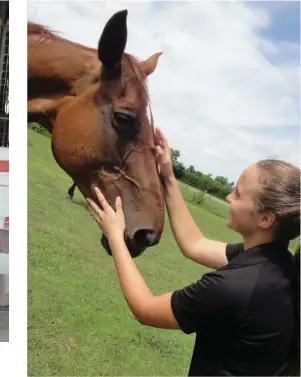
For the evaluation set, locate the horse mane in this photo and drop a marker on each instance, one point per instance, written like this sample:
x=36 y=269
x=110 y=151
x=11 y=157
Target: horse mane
x=46 y=33
x=34 y=29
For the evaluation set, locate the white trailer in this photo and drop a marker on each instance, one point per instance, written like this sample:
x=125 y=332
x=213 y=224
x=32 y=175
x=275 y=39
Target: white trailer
x=4 y=228
x=4 y=172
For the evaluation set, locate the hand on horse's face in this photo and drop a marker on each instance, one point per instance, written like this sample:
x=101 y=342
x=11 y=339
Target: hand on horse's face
x=110 y=222
x=163 y=155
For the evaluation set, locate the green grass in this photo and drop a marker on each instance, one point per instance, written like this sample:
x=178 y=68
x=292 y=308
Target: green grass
x=211 y=204
x=78 y=321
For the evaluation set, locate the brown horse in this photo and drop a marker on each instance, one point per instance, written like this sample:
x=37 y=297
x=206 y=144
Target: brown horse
x=94 y=103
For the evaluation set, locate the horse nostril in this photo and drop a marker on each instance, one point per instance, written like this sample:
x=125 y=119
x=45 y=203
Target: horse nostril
x=144 y=238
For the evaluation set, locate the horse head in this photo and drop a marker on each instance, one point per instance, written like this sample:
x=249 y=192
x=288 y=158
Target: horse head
x=104 y=137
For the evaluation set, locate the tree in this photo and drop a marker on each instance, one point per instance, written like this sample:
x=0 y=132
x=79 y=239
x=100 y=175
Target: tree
x=222 y=180
x=179 y=170
x=191 y=169
x=218 y=186
x=192 y=179
x=175 y=155
x=231 y=186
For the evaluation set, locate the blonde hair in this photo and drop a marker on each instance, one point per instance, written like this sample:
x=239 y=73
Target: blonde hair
x=280 y=194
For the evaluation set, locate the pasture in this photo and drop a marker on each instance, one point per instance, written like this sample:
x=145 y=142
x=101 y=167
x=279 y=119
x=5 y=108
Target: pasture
x=78 y=321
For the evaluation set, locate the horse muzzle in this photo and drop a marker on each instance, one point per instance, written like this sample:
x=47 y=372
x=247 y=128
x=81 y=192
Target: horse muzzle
x=140 y=241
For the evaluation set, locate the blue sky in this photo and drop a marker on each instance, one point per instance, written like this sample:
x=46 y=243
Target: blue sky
x=231 y=93
x=284 y=27
x=285 y=15
x=286 y=20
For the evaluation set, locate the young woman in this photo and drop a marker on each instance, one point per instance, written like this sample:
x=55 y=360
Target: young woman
x=244 y=314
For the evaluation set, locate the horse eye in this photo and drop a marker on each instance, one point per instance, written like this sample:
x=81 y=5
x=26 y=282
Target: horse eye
x=125 y=124
x=122 y=118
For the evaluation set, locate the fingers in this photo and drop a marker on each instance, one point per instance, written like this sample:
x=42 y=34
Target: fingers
x=160 y=133
x=94 y=208
x=102 y=201
x=158 y=138
x=93 y=214
x=104 y=204
x=162 y=141
x=159 y=150
x=118 y=205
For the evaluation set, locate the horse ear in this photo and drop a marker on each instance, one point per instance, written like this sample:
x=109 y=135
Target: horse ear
x=149 y=65
x=113 y=40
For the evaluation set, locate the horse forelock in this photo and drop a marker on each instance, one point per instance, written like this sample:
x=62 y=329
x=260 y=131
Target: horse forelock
x=133 y=72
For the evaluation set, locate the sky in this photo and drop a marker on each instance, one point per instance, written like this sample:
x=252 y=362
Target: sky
x=226 y=90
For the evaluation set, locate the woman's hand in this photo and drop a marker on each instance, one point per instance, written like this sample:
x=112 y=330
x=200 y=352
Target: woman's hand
x=110 y=222
x=163 y=155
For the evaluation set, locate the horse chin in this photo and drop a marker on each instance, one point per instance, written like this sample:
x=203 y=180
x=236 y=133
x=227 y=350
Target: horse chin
x=105 y=244
x=133 y=251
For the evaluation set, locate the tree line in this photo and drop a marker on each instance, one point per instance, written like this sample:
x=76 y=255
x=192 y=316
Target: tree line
x=218 y=186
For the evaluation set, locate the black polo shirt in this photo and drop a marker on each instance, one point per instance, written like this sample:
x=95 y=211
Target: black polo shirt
x=243 y=314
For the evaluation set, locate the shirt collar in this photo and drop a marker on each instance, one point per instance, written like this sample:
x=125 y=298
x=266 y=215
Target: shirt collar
x=274 y=252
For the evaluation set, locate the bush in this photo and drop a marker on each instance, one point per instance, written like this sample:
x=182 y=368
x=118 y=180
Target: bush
x=198 y=197
x=37 y=128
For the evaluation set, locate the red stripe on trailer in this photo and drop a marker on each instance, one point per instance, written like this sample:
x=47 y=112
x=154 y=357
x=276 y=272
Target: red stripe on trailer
x=6 y=223
x=4 y=166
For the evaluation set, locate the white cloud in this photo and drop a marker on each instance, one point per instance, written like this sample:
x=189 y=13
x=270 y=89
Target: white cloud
x=214 y=88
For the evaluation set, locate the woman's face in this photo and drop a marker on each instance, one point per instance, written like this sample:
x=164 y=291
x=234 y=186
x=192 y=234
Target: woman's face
x=243 y=215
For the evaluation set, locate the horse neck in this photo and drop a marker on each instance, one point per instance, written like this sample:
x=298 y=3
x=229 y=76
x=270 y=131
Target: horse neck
x=53 y=61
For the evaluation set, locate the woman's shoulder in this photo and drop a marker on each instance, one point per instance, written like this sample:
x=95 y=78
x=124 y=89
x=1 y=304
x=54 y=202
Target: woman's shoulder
x=233 y=250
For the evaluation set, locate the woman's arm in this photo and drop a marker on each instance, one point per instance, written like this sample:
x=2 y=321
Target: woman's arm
x=148 y=309
x=188 y=236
